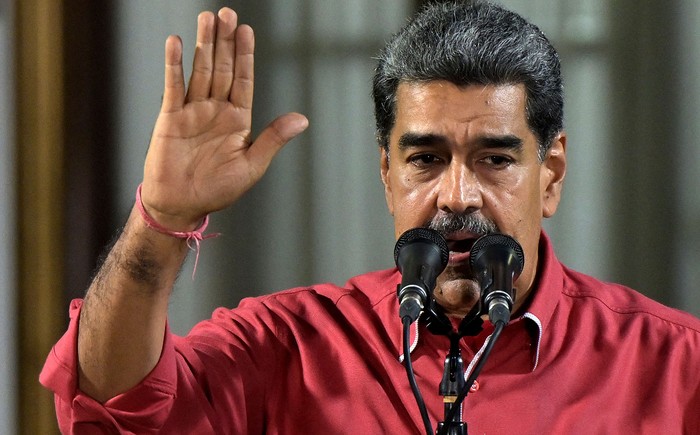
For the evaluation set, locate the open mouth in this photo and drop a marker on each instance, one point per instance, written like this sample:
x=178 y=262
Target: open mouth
x=459 y=250
x=464 y=245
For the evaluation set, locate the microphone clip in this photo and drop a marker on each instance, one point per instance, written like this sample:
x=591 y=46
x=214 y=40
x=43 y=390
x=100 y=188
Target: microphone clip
x=437 y=322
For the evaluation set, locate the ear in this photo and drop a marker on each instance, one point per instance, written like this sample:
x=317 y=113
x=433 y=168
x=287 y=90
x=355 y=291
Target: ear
x=552 y=175
x=384 y=169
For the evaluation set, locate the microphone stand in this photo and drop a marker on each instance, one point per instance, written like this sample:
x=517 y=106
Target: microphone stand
x=452 y=382
x=450 y=386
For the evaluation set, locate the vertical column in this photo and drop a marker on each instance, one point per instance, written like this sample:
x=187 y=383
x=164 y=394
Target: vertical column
x=8 y=255
x=644 y=206
x=686 y=160
x=40 y=120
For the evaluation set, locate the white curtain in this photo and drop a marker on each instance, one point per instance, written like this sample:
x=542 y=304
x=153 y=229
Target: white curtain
x=319 y=212
x=630 y=211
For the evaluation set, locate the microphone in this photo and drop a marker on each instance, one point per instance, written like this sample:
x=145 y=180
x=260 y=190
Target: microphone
x=497 y=260
x=421 y=254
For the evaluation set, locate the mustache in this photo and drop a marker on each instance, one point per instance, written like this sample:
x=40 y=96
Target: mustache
x=449 y=223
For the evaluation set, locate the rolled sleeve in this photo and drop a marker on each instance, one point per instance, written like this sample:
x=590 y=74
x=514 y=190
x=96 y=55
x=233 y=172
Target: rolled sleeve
x=143 y=409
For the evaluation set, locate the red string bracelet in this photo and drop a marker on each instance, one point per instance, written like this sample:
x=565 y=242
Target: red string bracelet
x=195 y=235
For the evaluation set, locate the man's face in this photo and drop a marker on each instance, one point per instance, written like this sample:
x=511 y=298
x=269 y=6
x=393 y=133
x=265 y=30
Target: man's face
x=468 y=151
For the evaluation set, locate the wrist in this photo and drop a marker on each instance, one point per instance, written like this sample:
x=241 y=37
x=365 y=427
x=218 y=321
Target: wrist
x=193 y=235
x=167 y=221
x=171 y=223
x=178 y=227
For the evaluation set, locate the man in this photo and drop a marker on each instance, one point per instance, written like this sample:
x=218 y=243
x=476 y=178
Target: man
x=469 y=113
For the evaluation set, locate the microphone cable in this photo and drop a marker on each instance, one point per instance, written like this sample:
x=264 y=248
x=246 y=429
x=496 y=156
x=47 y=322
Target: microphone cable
x=498 y=328
x=406 y=321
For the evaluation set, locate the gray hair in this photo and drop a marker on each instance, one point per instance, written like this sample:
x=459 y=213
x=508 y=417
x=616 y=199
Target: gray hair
x=472 y=42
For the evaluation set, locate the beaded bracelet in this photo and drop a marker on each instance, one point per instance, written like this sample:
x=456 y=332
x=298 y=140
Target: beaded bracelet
x=195 y=235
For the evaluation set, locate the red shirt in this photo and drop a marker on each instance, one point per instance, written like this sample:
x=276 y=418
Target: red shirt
x=587 y=357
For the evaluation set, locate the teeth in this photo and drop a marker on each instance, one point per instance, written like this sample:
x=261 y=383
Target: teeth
x=461 y=245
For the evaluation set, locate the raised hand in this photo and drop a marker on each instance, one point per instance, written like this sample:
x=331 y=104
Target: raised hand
x=202 y=157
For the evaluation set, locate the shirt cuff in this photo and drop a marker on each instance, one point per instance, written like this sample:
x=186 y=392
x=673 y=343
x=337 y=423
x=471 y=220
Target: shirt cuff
x=143 y=408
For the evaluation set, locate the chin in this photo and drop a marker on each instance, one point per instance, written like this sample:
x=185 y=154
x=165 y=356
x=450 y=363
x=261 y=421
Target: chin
x=457 y=295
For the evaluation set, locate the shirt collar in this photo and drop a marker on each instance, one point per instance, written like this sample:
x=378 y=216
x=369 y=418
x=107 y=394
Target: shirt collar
x=545 y=297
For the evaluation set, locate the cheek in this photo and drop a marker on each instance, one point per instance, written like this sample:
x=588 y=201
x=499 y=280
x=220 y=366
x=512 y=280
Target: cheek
x=524 y=218
x=516 y=206
x=413 y=203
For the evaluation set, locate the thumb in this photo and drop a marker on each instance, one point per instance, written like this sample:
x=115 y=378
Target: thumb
x=274 y=137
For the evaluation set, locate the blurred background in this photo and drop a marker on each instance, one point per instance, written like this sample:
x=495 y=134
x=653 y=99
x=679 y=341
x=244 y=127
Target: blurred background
x=80 y=89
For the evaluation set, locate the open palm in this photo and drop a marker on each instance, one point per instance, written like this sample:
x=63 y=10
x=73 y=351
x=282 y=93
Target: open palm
x=201 y=157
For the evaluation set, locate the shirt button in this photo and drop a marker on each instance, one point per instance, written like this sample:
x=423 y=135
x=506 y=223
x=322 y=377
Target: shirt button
x=475 y=387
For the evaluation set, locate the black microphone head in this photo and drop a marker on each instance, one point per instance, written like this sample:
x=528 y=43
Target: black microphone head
x=422 y=235
x=496 y=261
x=501 y=246
x=421 y=254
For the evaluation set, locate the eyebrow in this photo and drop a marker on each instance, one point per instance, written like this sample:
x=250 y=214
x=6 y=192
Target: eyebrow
x=412 y=140
x=507 y=141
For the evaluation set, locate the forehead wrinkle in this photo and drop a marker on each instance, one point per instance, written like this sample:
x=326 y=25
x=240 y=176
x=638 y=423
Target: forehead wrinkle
x=491 y=125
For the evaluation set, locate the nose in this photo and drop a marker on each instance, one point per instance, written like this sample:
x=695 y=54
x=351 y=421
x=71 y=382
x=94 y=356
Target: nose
x=459 y=190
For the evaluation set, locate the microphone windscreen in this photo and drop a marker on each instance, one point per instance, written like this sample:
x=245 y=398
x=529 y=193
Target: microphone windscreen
x=425 y=235
x=504 y=244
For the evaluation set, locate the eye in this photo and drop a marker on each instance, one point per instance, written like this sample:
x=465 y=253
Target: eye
x=498 y=161
x=423 y=159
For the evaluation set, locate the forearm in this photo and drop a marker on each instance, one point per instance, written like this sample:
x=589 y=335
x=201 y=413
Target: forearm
x=201 y=159
x=123 y=317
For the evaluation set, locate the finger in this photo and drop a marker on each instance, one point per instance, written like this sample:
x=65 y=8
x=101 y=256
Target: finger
x=224 y=49
x=273 y=138
x=200 y=80
x=174 y=89
x=242 y=89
